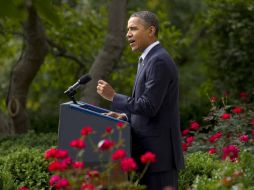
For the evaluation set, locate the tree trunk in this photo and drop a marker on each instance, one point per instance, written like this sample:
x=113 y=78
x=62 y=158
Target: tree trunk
x=111 y=52
x=25 y=70
x=3 y=125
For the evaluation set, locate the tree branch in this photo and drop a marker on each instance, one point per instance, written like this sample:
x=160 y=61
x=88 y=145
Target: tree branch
x=62 y=52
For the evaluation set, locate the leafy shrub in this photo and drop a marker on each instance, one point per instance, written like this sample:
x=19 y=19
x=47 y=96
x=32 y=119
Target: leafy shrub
x=197 y=164
x=6 y=180
x=229 y=175
x=31 y=139
x=22 y=162
x=25 y=167
x=204 y=171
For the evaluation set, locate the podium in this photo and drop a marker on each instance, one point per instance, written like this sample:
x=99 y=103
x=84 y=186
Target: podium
x=73 y=117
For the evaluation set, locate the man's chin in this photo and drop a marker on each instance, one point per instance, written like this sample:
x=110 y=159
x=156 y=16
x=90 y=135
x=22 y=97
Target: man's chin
x=135 y=49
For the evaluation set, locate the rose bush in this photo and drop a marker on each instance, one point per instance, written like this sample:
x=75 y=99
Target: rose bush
x=227 y=135
x=70 y=173
x=226 y=131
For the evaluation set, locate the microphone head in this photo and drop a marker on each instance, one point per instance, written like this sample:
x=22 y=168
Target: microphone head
x=84 y=79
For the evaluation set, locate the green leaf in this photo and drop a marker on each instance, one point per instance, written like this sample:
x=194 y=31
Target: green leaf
x=12 y=9
x=47 y=11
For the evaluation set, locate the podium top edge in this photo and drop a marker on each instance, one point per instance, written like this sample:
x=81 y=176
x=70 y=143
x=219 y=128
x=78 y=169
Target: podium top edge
x=91 y=109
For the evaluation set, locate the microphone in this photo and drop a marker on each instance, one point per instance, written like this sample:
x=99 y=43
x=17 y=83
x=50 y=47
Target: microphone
x=83 y=80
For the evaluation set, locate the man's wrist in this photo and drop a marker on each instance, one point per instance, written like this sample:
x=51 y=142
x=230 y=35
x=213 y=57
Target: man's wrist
x=113 y=97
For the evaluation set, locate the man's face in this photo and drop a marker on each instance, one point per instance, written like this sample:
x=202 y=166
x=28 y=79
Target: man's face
x=138 y=34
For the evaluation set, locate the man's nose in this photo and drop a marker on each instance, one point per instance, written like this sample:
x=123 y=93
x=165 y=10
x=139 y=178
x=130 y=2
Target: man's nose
x=128 y=34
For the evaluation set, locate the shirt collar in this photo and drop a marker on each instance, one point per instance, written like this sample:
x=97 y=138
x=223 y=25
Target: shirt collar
x=144 y=54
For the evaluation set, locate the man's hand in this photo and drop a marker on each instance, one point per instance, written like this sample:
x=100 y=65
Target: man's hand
x=105 y=90
x=121 y=116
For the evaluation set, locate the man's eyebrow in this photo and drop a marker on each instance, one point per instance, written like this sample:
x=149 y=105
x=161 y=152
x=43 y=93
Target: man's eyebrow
x=131 y=27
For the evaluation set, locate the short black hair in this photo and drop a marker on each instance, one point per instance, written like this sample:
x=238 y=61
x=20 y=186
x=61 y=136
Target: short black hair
x=149 y=18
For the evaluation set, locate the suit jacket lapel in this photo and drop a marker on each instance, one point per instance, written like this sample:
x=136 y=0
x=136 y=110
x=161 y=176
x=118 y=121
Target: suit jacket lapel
x=144 y=66
x=137 y=77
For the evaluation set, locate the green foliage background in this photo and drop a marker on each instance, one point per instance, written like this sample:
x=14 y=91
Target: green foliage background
x=230 y=26
x=210 y=41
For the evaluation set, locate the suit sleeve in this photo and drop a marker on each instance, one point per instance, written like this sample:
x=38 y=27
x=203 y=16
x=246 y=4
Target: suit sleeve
x=159 y=75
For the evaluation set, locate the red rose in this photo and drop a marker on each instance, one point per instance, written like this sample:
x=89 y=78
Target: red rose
x=212 y=151
x=214 y=137
x=184 y=147
x=225 y=116
x=128 y=164
x=55 y=153
x=185 y=132
x=109 y=130
x=119 y=154
x=194 y=125
x=252 y=121
x=77 y=143
x=244 y=138
x=230 y=151
x=78 y=164
x=243 y=95
x=253 y=132
x=189 y=139
x=237 y=110
x=86 y=131
x=53 y=180
x=93 y=173
x=147 y=158
x=62 y=183
x=54 y=165
x=87 y=186
x=23 y=188
x=66 y=161
x=213 y=99
x=120 y=125
x=57 y=166
x=105 y=144
x=50 y=153
x=61 y=153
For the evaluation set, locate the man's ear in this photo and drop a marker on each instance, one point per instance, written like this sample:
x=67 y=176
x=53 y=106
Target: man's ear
x=152 y=31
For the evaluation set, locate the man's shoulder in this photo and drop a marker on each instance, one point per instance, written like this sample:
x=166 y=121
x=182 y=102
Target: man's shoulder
x=158 y=50
x=161 y=58
x=160 y=53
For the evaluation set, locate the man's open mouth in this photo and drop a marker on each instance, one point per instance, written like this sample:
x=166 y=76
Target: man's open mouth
x=131 y=42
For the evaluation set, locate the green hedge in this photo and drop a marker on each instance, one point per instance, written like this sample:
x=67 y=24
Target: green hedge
x=197 y=164
x=40 y=141
x=22 y=162
x=6 y=180
x=205 y=172
x=25 y=167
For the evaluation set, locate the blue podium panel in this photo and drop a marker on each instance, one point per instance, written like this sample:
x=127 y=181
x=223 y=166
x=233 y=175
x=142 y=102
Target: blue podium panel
x=73 y=117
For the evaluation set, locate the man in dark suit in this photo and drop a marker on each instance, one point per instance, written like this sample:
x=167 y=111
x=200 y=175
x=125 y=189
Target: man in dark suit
x=152 y=110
